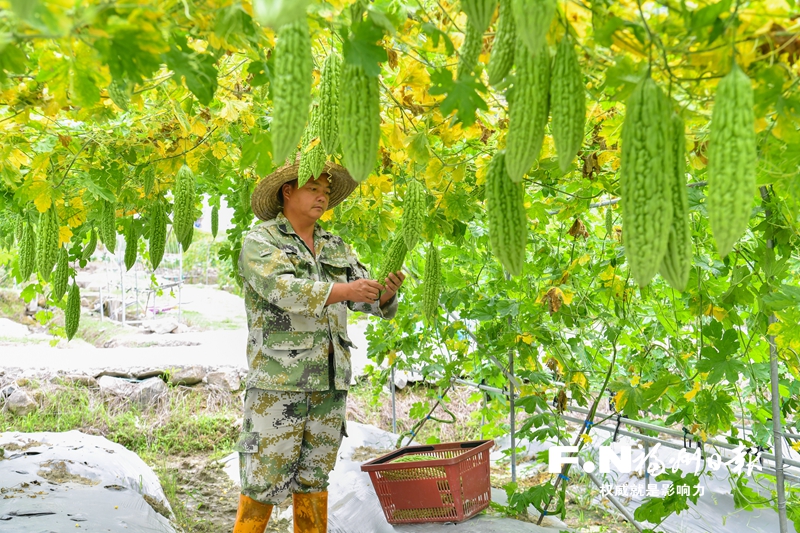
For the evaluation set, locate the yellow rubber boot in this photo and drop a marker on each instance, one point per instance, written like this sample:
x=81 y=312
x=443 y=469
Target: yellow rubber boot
x=310 y=512
x=252 y=516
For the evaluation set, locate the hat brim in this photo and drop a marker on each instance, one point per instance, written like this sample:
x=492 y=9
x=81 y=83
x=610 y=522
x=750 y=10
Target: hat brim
x=264 y=201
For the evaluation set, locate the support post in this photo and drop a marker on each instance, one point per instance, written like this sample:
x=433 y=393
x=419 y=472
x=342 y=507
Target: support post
x=777 y=430
x=512 y=419
x=394 y=408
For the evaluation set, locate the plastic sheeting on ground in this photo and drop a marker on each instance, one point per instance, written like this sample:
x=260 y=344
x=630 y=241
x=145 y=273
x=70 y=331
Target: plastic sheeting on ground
x=58 y=482
x=354 y=507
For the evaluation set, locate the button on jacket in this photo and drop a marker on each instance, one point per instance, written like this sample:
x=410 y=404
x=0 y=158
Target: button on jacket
x=290 y=327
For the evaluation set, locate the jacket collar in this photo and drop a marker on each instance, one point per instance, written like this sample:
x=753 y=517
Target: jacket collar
x=286 y=227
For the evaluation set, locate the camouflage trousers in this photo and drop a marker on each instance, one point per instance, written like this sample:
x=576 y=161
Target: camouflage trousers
x=289 y=442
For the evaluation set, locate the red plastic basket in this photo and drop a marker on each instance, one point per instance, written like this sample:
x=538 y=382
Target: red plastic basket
x=451 y=488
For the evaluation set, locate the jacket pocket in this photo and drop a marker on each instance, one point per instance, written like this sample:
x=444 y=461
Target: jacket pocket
x=289 y=340
x=345 y=340
x=335 y=268
x=248 y=442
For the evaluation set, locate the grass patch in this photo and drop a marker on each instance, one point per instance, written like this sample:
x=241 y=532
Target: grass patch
x=13 y=307
x=199 y=320
x=184 y=422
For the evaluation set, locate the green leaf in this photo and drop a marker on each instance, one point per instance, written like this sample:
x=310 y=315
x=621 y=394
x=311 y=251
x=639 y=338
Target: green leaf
x=436 y=34
x=197 y=69
x=786 y=296
x=360 y=48
x=82 y=85
x=714 y=410
x=257 y=148
x=462 y=95
x=706 y=16
x=260 y=72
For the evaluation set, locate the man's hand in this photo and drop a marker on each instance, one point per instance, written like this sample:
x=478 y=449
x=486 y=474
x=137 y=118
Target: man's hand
x=364 y=290
x=392 y=283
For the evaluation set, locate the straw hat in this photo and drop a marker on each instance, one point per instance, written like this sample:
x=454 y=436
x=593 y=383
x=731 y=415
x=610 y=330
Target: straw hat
x=264 y=201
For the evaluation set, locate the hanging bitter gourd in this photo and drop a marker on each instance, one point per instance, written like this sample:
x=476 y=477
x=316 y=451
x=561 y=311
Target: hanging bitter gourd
x=91 y=246
x=119 y=94
x=61 y=275
x=214 y=221
x=528 y=107
x=567 y=103
x=414 y=207
x=108 y=226
x=470 y=50
x=47 y=242
x=18 y=227
x=731 y=160
x=187 y=241
x=329 y=103
x=533 y=19
x=312 y=155
x=479 y=12
x=158 y=233
x=505 y=39
x=359 y=120
x=291 y=87
x=432 y=283
x=72 y=313
x=393 y=260
x=183 y=208
x=645 y=179
x=678 y=258
x=27 y=252
x=131 y=245
x=508 y=224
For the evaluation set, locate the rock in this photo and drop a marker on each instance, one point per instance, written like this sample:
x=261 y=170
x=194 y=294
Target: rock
x=11 y=329
x=189 y=375
x=161 y=326
x=149 y=391
x=114 y=372
x=228 y=381
x=77 y=379
x=116 y=386
x=144 y=373
x=20 y=403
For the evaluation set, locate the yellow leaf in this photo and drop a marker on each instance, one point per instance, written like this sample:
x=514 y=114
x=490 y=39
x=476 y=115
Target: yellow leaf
x=17 y=158
x=635 y=380
x=481 y=167
x=567 y=296
x=64 y=235
x=703 y=435
x=219 y=150
x=608 y=156
x=647 y=385
x=433 y=174
x=397 y=139
x=692 y=393
x=580 y=379
x=620 y=400
x=198 y=128
x=42 y=198
x=527 y=338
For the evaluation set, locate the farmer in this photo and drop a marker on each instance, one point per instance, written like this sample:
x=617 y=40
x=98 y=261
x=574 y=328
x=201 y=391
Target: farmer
x=299 y=281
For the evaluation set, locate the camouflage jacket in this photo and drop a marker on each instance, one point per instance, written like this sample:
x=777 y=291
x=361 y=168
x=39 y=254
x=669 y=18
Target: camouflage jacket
x=289 y=325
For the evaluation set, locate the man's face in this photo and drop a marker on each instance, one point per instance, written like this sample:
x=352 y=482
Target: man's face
x=311 y=199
